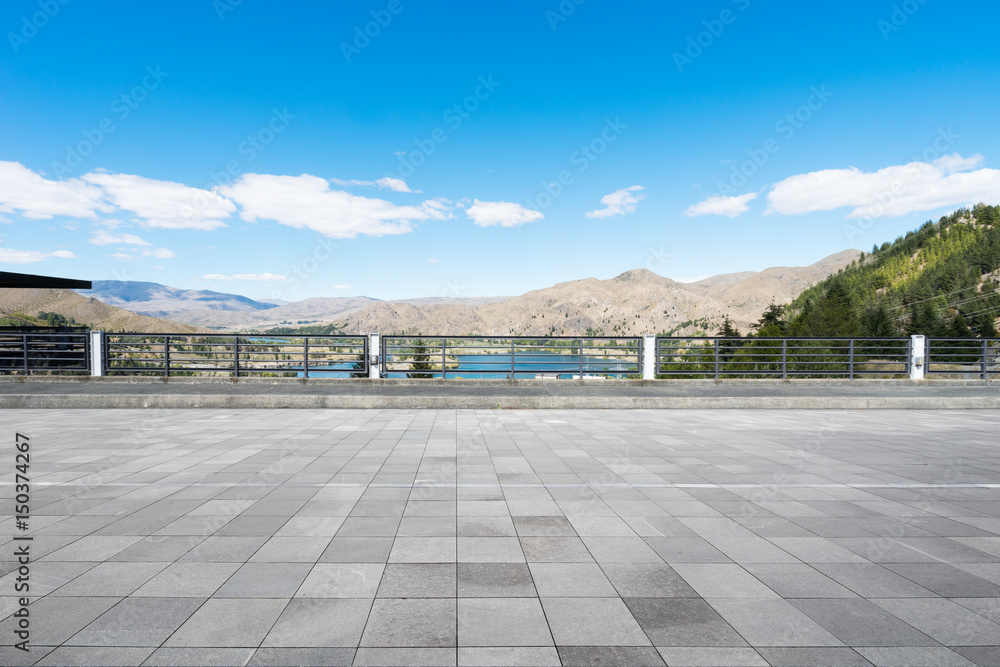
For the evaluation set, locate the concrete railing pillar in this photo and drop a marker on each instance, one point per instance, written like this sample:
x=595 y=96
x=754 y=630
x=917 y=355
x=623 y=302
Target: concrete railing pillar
x=374 y=358
x=97 y=353
x=917 y=361
x=648 y=357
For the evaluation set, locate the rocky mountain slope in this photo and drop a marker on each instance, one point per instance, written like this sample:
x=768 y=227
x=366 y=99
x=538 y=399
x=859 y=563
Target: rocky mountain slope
x=634 y=303
x=86 y=311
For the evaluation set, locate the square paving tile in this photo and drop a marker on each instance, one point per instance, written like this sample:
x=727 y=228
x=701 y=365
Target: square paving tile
x=221 y=623
x=579 y=580
x=341 y=580
x=502 y=622
x=495 y=580
x=320 y=622
x=411 y=623
x=592 y=622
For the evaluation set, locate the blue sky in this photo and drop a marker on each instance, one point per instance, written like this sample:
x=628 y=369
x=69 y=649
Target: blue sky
x=465 y=149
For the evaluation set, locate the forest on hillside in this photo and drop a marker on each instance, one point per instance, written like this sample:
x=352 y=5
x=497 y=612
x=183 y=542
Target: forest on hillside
x=940 y=280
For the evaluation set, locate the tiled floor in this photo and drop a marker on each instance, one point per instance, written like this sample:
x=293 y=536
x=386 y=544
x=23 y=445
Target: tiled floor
x=507 y=537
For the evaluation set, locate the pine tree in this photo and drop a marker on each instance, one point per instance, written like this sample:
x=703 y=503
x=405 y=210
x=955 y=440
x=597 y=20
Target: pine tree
x=728 y=329
x=771 y=322
x=421 y=361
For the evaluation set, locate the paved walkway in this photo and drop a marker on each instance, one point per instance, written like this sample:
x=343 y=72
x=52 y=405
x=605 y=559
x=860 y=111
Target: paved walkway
x=507 y=537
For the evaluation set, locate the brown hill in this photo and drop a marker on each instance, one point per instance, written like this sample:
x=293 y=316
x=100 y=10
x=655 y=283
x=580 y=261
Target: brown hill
x=634 y=303
x=87 y=311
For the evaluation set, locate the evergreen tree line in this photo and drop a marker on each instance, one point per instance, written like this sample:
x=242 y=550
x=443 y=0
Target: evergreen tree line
x=940 y=281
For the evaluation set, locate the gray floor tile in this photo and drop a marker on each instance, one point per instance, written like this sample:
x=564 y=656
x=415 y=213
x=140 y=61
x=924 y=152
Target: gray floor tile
x=508 y=656
x=555 y=550
x=502 y=622
x=797 y=581
x=265 y=580
x=198 y=657
x=341 y=580
x=479 y=580
x=772 y=622
x=711 y=657
x=610 y=656
x=688 y=622
x=592 y=622
x=571 y=580
x=291 y=550
x=295 y=657
x=858 y=622
x=221 y=623
x=415 y=656
x=646 y=580
x=319 y=622
x=818 y=657
x=116 y=579
x=907 y=656
x=55 y=619
x=188 y=580
x=419 y=580
x=411 y=623
x=138 y=622
x=108 y=656
x=357 y=550
x=945 y=621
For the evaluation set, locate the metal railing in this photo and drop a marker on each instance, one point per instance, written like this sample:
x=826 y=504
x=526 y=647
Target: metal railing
x=510 y=356
x=332 y=356
x=782 y=357
x=265 y=355
x=58 y=352
x=963 y=357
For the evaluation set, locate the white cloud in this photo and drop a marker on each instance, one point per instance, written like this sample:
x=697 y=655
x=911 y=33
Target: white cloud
x=433 y=260
x=387 y=183
x=720 y=205
x=342 y=287
x=888 y=192
x=164 y=203
x=122 y=256
x=10 y=256
x=390 y=183
x=267 y=277
x=103 y=237
x=308 y=202
x=619 y=202
x=39 y=198
x=160 y=253
x=503 y=213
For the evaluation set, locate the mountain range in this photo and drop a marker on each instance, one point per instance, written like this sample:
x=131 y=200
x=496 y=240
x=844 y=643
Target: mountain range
x=633 y=303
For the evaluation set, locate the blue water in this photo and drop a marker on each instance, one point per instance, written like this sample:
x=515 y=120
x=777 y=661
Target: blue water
x=476 y=366
x=527 y=364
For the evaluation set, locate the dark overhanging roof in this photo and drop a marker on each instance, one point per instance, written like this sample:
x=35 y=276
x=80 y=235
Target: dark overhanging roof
x=26 y=280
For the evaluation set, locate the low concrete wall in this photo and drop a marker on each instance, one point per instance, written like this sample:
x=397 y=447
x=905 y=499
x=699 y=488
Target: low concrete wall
x=269 y=393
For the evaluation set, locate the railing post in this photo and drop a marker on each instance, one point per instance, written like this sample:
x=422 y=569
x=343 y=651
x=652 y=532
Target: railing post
x=850 y=359
x=579 y=358
x=444 y=360
x=166 y=356
x=918 y=361
x=784 y=359
x=984 y=371
x=24 y=349
x=374 y=358
x=96 y=353
x=305 y=357
x=649 y=357
x=715 y=357
x=512 y=359
x=236 y=357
